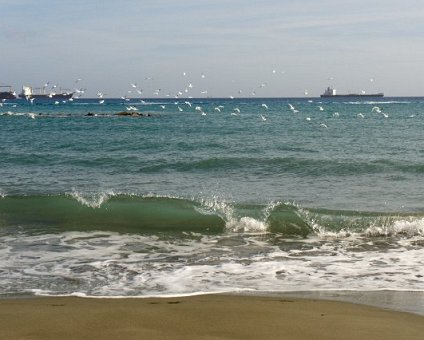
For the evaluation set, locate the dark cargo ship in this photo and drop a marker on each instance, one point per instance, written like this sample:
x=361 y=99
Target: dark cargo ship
x=8 y=94
x=331 y=93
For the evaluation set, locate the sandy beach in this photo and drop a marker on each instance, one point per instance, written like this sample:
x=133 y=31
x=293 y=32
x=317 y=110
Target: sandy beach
x=202 y=317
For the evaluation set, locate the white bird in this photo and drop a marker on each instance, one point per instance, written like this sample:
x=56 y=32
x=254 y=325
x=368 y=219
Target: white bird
x=187 y=103
x=236 y=109
x=263 y=117
x=163 y=107
x=336 y=114
x=56 y=102
x=217 y=109
x=180 y=109
x=320 y=108
x=198 y=108
x=385 y=115
x=291 y=107
x=133 y=85
x=360 y=115
x=32 y=100
x=101 y=101
x=376 y=109
x=204 y=92
x=308 y=118
x=203 y=113
x=202 y=76
x=323 y=125
x=265 y=106
x=100 y=94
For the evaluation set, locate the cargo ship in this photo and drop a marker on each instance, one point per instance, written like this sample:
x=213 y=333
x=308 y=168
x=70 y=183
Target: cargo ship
x=28 y=94
x=331 y=93
x=8 y=94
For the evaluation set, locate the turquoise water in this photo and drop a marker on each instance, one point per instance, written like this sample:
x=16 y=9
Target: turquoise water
x=207 y=195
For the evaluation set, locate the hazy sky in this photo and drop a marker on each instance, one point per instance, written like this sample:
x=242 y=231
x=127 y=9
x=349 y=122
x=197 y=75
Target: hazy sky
x=269 y=47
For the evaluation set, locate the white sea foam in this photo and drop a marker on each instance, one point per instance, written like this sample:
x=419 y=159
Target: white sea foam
x=112 y=264
x=92 y=200
x=414 y=227
x=246 y=225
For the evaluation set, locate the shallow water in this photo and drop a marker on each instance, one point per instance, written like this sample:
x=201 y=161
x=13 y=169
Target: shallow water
x=181 y=202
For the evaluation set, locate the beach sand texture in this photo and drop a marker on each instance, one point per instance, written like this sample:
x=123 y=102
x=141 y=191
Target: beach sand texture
x=202 y=317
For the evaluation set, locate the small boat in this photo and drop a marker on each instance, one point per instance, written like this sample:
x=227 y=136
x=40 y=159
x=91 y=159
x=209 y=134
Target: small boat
x=28 y=93
x=330 y=93
x=8 y=94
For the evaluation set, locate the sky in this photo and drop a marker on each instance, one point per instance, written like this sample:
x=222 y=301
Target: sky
x=215 y=48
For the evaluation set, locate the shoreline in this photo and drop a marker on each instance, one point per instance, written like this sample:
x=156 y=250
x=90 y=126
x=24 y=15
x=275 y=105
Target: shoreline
x=217 y=316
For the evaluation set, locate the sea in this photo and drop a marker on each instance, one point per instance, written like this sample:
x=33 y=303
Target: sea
x=192 y=196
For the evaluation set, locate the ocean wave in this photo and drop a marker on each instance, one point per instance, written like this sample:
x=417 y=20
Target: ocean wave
x=126 y=213
x=304 y=166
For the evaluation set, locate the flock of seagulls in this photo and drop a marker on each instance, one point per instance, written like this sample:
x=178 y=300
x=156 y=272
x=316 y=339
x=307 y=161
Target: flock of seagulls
x=184 y=95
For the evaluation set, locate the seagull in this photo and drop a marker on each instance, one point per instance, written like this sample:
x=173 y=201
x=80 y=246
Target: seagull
x=133 y=85
x=323 y=125
x=385 y=115
x=320 y=108
x=237 y=110
x=163 y=107
x=265 y=106
x=308 y=118
x=360 y=115
x=217 y=109
x=101 y=101
x=336 y=114
x=376 y=109
x=180 y=109
x=198 y=108
x=263 y=117
x=187 y=103
x=291 y=107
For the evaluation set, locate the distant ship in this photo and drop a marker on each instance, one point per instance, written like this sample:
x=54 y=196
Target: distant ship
x=8 y=94
x=28 y=94
x=330 y=92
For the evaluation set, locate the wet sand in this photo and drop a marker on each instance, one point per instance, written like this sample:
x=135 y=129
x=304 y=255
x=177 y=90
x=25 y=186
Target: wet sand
x=202 y=317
